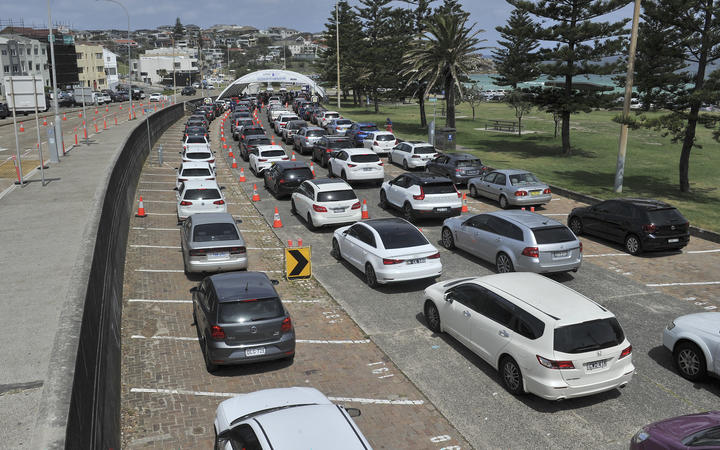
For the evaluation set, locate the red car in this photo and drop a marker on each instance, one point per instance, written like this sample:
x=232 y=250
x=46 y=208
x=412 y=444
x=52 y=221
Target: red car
x=692 y=432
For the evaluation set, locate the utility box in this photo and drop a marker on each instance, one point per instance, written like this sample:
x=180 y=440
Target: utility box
x=445 y=139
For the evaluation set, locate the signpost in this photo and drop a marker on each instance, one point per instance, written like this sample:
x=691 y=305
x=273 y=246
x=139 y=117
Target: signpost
x=297 y=263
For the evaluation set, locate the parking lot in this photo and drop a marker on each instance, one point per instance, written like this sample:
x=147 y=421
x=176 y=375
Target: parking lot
x=416 y=389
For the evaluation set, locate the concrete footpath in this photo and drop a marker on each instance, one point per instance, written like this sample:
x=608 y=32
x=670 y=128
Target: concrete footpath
x=47 y=236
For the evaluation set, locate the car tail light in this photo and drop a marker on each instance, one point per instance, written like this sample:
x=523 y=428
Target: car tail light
x=531 y=252
x=352 y=165
x=237 y=250
x=307 y=138
x=458 y=170
x=212 y=178
x=262 y=160
x=381 y=163
x=285 y=158
x=458 y=192
x=242 y=137
x=337 y=128
x=416 y=156
x=319 y=208
x=328 y=150
x=421 y=196
x=199 y=252
x=185 y=203
x=434 y=256
x=547 y=191
x=375 y=143
x=286 y=325
x=520 y=193
x=217 y=332
x=626 y=352
x=184 y=147
x=182 y=179
x=389 y=262
x=649 y=228
x=219 y=202
x=212 y=160
x=550 y=364
x=580 y=246
x=356 y=206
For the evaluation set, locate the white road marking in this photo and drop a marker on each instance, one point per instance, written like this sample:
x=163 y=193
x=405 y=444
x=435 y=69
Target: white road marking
x=169 y=338
x=156 y=229
x=161 y=214
x=160 y=270
x=298 y=341
x=376 y=363
x=252 y=231
x=695 y=283
x=145 y=300
x=160 y=174
x=606 y=254
x=301 y=301
x=232 y=394
x=265 y=248
x=554 y=214
x=160 y=201
x=157 y=190
x=155 y=246
x=703 y=251
x=155 y=182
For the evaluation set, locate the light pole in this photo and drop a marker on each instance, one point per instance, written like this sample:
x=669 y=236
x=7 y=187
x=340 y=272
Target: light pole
x=130 y=91
x=54 y=152
x=174 y=83
x=337 y=50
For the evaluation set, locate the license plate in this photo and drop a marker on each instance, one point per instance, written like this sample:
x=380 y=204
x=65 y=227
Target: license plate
x=415 y=261
x=471 y=172
x=368 y=169
x=442 y=209
x=255 y=351
x=218 y=255
x=560 y=254
x=534 y=192
x=673 y=240
x=594 y=365
x=338 y=210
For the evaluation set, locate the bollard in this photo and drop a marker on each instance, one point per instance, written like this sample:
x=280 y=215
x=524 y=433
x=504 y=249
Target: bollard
x=160 y=159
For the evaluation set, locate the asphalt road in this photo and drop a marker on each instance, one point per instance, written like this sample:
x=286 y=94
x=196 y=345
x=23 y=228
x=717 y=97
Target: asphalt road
x=466 y=389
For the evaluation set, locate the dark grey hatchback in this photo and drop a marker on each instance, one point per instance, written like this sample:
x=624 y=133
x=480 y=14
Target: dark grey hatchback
x=240 y=319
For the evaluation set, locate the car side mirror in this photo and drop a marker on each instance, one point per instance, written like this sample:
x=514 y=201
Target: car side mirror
x=222 y=188
x=274 y=282
x=179 y=153
x=194 y=289
x=448 y=298
x=238 y=220
x=175 y=188
x=353 y=412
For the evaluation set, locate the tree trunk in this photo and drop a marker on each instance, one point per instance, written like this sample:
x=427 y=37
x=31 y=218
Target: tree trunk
x=685 y=153
x=423 y=117
x=450 y=102
x=519 y=118
x=566 y=134
x=375 y=101
x=473 y=110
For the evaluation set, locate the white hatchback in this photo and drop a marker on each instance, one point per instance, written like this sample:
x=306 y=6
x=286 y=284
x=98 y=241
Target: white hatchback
x=327 y=117
x=356 y=164
x=326 y=201
x=198 y=155
x=195 y=197
x=264 y=156
x=387 y=250
x=421 y=195
x=542 y=337
x=195 y=171
x=411 y=155
x=381 y=142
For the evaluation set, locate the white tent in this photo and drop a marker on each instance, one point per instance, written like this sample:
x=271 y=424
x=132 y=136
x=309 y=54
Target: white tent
x=251 y=82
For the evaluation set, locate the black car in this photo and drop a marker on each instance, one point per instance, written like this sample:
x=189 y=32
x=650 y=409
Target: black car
x=240 y=124
x=250 y=143
x=196 y=131
x=122 y=96
x=285 y=176
x=188 y=90
x=4 y=110
x=239 y=319
x=325 y=145
x=459 y=167
x=638 y=224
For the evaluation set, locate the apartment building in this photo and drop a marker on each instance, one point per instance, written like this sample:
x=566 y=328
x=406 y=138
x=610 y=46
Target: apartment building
x=91 y=66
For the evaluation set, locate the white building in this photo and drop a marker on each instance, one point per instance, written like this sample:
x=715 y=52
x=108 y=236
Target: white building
x=111 y=68
x=23 y=56
x=150 y=65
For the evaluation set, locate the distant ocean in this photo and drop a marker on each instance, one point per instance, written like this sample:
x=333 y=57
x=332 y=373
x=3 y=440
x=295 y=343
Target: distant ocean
x=486 y=81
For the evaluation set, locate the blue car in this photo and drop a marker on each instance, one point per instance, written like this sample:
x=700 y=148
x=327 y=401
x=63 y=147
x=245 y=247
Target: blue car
x=358 y=131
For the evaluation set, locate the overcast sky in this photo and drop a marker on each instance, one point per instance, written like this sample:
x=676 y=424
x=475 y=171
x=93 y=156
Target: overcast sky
x=302 y=15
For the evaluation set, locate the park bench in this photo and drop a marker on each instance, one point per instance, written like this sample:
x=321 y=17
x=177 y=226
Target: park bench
x=501 y=125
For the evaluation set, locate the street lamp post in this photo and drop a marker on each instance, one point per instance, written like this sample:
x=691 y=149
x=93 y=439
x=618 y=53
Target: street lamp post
x=54 y=151
x=130 y=92
x=337 y=50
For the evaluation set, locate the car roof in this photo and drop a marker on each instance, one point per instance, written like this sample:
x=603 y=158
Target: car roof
x=427 y=178
x=511 y=171
x=386 y=223
x=287 y=165
x=204 y=218
x=336 y=138
x=380 y=133
x=646 y=203
x=233 y=286
x=270 y=147
x=558 y=302
x=330 y=184
x=201 y=184
x=255 y=402
x=365 y=124
x=419 y=143
x=314 y=128
x=461 y=156
x=195 y=165
x=526 y=218
x=358 y=151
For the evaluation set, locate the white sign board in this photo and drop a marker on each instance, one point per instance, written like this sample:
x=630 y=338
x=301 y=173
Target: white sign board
x=19 y=93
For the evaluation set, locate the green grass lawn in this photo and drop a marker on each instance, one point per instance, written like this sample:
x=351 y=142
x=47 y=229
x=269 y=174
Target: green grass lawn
x=651 y=167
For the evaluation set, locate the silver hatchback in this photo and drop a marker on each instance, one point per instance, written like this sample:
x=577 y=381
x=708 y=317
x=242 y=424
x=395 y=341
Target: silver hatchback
x=519 y=241
x=511 y=187
x=212 y=243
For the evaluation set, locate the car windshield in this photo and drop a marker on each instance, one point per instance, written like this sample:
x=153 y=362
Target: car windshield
x=553 y=235
x=659 y=216
x=210 y=232
x=343 y=122
x=197 y=155
x=522 y=179
x=401 y=236
x=336 y=196
x=365 y=158
x=315 y=133
x=196 y=172
x=384 y=137
x=469 y=163
x=439 y=188
x=268 y=153
x=297 y=125
x=202 y=194
x=332 y=116
x=250 y=310
x=303 y=173
x=588 y=336
x=369 y=128
x=425 y=150
x=196 y=140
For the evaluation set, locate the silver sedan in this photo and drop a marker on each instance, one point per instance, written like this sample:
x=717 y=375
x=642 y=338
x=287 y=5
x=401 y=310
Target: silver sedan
x=695 y=344
x=211 y=242
x=511 y=187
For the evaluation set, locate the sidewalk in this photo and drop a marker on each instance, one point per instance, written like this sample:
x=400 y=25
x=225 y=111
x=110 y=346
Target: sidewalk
x=48 y=236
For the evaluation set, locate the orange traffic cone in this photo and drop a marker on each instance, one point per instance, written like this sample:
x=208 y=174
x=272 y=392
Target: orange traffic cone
x=22 y=127
x=141 y=209
x=230 y=153
x=255 y=197
x=365 y=213
x=277 y=223
x=532 y=209
x=64 y=117
x=79 y=114
x=234 y=164
x=312 y=169
x=299 y=242
x=293 y=157
x=464 y=204
x=225 y=147
x=44 y=122
x=242 y=175
x=96 y=110
x=272 y=141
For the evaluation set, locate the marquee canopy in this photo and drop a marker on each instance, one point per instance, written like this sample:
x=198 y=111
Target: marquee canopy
x=256 y=79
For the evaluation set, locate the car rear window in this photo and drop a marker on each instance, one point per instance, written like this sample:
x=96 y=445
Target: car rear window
x=336 y=196
x=332 y=116
x=553 y=235
x=268 y=153
x=196 y=172
x=385 y=137
x=369 y=128
x=522 y=179
x=469 y=163
x=211 y=232
x=259 y=141
x=659 y=216
x=197 y=155
x=303 y=173
x=588 y=336
x=316 y=133
x=425 y=150
x=401 y=236
x=250 y=310
x=297 y=125
x=202 y=194
x=365 y=158
x=439 y=188
x=343 y=122
x=196 y=140
x=336 y=144
x=253 y=131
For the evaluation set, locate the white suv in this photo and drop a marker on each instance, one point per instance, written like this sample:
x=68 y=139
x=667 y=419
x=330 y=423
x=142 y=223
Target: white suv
x=326 y=201
x=196 y=171
x=282 y=120
x=264 y=156
x=199 y=197
x=421 y=195
x=543 y=338
x=356 y=164
x=411 y=155
x=326 y=117
x=381 y=142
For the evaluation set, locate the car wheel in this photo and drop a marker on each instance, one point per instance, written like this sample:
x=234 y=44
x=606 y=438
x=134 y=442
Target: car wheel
x=690 y=361
x=473 y=191
x=405 y=165
x=503 y=202
x=447 y=238
x=212 y=368
x=576 y=226
x=370 y=277
x=432 y=316
x=383 y=200
x=632 y=244
x=408 y=213
x=310 y=223
x=335 y=252
x=343 y=175
x=503 y=263
x=313 y=157
x=511 y=376
x=293 y=210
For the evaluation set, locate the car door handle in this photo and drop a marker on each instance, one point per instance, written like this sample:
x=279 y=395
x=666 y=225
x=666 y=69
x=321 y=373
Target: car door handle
x=466 y=314
x=503 y=333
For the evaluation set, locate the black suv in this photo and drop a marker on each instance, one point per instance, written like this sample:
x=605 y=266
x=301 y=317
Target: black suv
x=636 y=223
x=188 y=90
x=250 y=143
x=326 y=145
x=459 y=167
x=4 y=111
x=285 y=176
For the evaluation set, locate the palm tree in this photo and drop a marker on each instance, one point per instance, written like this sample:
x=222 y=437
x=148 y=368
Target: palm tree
x=441 y=55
